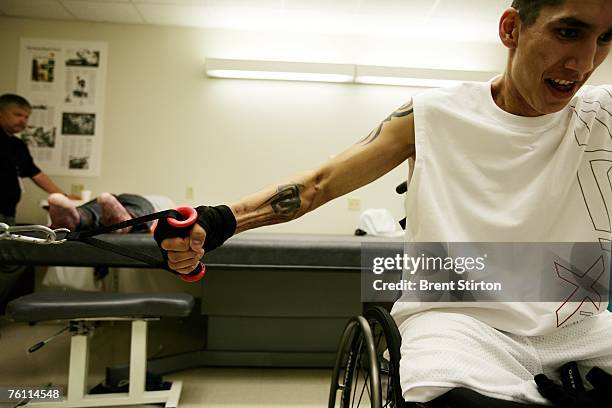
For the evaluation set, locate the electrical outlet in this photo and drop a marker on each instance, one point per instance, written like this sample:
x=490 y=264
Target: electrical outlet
x=189 y=193
x=354 y=204
x=76 y=189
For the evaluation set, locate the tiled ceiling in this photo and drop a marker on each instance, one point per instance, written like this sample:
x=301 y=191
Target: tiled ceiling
x=459 y=20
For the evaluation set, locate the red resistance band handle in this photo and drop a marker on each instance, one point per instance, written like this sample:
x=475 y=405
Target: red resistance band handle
x=181 y=228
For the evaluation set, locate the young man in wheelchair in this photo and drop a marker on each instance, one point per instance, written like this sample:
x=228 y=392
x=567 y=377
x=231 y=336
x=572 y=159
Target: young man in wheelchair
x=503 y=161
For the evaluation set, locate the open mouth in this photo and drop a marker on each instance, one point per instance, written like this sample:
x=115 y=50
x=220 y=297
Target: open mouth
x=562 y=87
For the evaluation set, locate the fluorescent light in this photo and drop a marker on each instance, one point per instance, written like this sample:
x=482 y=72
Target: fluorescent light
x=279 y=70
x=400 y=81
x=417 y=77
x=277 y=75
x=323 y=72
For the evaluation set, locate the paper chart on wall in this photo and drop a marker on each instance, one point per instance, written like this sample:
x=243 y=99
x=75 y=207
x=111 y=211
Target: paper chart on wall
x=65 y=83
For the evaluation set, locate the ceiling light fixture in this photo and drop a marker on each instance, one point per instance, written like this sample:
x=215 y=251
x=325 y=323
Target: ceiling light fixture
x=342 y=73
x=279 y=70
x=417 y=77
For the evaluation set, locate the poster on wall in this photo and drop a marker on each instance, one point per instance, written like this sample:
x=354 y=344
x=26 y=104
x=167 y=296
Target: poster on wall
x=65 y=83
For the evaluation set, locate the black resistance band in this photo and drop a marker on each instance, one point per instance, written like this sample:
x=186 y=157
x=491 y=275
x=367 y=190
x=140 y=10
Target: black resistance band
x=178 y=222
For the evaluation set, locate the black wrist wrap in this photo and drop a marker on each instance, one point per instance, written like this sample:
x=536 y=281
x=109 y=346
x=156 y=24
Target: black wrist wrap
x=218 y=222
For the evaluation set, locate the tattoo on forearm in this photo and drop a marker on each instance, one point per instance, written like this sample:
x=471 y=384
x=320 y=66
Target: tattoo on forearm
x=404 y=110
x=286 y=201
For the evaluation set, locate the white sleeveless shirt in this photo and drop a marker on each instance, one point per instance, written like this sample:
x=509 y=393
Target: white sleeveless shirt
x=485 y=175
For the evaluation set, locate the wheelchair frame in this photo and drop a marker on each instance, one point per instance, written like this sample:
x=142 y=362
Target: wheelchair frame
x=363 y=345
x=366 y=372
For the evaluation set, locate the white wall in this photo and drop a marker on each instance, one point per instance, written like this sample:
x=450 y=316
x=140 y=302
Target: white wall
x=167 y=126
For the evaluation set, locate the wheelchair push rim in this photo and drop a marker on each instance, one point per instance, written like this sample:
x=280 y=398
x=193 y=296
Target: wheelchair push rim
x=362 y=376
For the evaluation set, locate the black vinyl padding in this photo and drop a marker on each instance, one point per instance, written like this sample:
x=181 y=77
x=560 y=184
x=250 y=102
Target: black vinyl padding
x=335 y=252
x=73 y=305
x=74 y=253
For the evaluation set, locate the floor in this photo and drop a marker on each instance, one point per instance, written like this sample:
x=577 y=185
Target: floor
x=202 y=387
x=234 y=387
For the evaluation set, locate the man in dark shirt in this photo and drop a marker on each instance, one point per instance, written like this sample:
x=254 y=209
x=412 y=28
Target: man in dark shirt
x=15 y=163
x=15 y=159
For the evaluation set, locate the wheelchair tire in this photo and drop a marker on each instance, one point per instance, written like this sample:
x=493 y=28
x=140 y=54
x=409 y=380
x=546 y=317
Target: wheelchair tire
x=362 y=374
x=387 y=337
x=349 y=349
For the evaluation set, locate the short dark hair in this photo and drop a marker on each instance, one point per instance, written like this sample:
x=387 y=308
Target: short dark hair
x=529 y=10
x=12 y=99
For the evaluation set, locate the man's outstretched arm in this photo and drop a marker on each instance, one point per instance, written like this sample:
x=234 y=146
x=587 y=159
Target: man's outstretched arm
x=391 y=143
x=43 y=181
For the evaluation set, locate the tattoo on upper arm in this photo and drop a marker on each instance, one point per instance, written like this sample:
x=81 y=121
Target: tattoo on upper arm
x=404 y=110
x=286 y=201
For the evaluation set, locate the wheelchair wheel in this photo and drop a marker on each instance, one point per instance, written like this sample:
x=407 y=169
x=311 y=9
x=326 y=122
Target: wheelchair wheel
x=365 y=375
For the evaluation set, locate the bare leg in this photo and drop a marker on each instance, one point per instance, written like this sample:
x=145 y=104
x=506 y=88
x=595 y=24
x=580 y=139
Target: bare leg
x=63 y=212
x=113 y=212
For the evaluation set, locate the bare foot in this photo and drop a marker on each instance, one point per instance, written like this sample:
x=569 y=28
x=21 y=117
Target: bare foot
x=63 y=212
x=113 y=212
